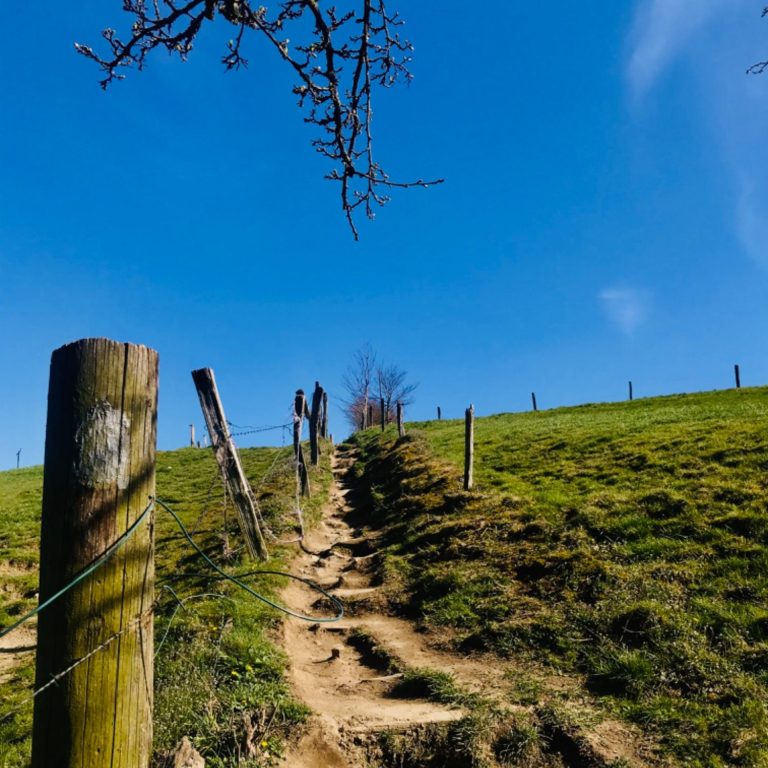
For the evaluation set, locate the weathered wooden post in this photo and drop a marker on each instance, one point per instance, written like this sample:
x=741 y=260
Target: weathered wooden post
x=469 y=447
x=533 y=400
x=98 y=479
x=439 y=413
x=383 y=414
x=369 y=423
x=400 y=422
x=315 y=423
x=192 y=435
x=229 y=462
x=631 y=393
x=18 y=458
x=738 y=376
x=299 y=409
x=324 y=424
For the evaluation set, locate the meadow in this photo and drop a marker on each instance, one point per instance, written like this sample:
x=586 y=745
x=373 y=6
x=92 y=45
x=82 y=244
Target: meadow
x=219 y=675
x=625 y=544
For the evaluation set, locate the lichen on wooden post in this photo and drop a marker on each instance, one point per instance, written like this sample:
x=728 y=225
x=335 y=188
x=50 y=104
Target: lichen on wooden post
x=99 y=476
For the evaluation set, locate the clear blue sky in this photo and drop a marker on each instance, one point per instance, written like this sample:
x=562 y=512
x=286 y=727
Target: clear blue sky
x=604 y=218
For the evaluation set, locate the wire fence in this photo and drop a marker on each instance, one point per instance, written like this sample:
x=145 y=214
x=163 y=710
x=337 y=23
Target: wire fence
x=214 y=572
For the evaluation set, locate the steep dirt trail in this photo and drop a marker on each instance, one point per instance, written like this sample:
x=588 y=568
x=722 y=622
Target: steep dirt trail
x=346 y=688
x=341 y=685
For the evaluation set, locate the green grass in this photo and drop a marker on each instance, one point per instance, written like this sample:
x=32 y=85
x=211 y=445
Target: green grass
x=219 y=679
x=625 y=542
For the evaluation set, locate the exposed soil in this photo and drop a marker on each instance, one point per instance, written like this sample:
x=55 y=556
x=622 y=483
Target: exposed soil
x=344 y=687
x=345 y=684
x=19 y=645
x=15 y=648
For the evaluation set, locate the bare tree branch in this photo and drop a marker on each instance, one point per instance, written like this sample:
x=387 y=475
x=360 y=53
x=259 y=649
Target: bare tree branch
x=760 y=66
x=339 y=64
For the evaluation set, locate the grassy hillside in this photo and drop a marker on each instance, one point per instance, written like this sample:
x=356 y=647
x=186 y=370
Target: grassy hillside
x=623 y=543
x=219 y=678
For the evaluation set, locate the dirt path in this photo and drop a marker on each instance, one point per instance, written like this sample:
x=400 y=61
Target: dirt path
x=16 y=648
x=341 y=684
x=341 y=678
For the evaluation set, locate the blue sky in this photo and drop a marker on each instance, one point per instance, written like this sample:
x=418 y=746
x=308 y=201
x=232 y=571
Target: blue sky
x=604 y=216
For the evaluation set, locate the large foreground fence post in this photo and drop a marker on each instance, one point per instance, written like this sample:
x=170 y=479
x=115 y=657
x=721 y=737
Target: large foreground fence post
x=98 y=479
x=469 y=447
x=229 y=462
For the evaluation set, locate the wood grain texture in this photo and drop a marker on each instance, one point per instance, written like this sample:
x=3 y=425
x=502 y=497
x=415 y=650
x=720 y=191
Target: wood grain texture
x=469 y=447
x=315 y=423
x=324 y=421
x=229 y=462
x=300 y=410
x=98 y=479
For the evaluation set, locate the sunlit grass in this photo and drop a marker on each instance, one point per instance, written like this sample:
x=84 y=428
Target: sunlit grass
x=627 y=542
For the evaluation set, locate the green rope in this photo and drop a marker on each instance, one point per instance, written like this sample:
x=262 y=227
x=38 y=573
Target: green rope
x=85 y=572
x=235 y=580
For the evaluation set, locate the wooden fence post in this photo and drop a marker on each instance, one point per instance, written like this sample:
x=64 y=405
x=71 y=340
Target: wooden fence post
x=439 y=413
x=299 y=409
x=324 y=425
x=315 y=424
x=738 y=376
x=400 y=421
x=533 y=400
x=469 y=447
x=631 y=393
x=383 y=414
x=192 y=435
x=369 y=423
x=229 y=462
x=98 y=479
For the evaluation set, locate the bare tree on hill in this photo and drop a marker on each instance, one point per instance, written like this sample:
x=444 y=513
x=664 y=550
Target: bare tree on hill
x=367 y=382
x=339 y=56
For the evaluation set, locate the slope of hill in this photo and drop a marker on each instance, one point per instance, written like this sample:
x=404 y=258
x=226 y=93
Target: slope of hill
x=219 y=676
x=625 y=545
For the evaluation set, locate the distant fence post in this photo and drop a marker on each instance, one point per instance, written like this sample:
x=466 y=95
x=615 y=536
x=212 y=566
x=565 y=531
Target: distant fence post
x=439 y=413
x=631 y=393
x=469 y=447
x=315 y=423
x=533 y=400
x=229 y=461
x=192 y=435
x=738 y=376
x=18 y=458
x=324 y=424
x=299 y=409
x=98 y=479
x=383 y=414
x=400 y=423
